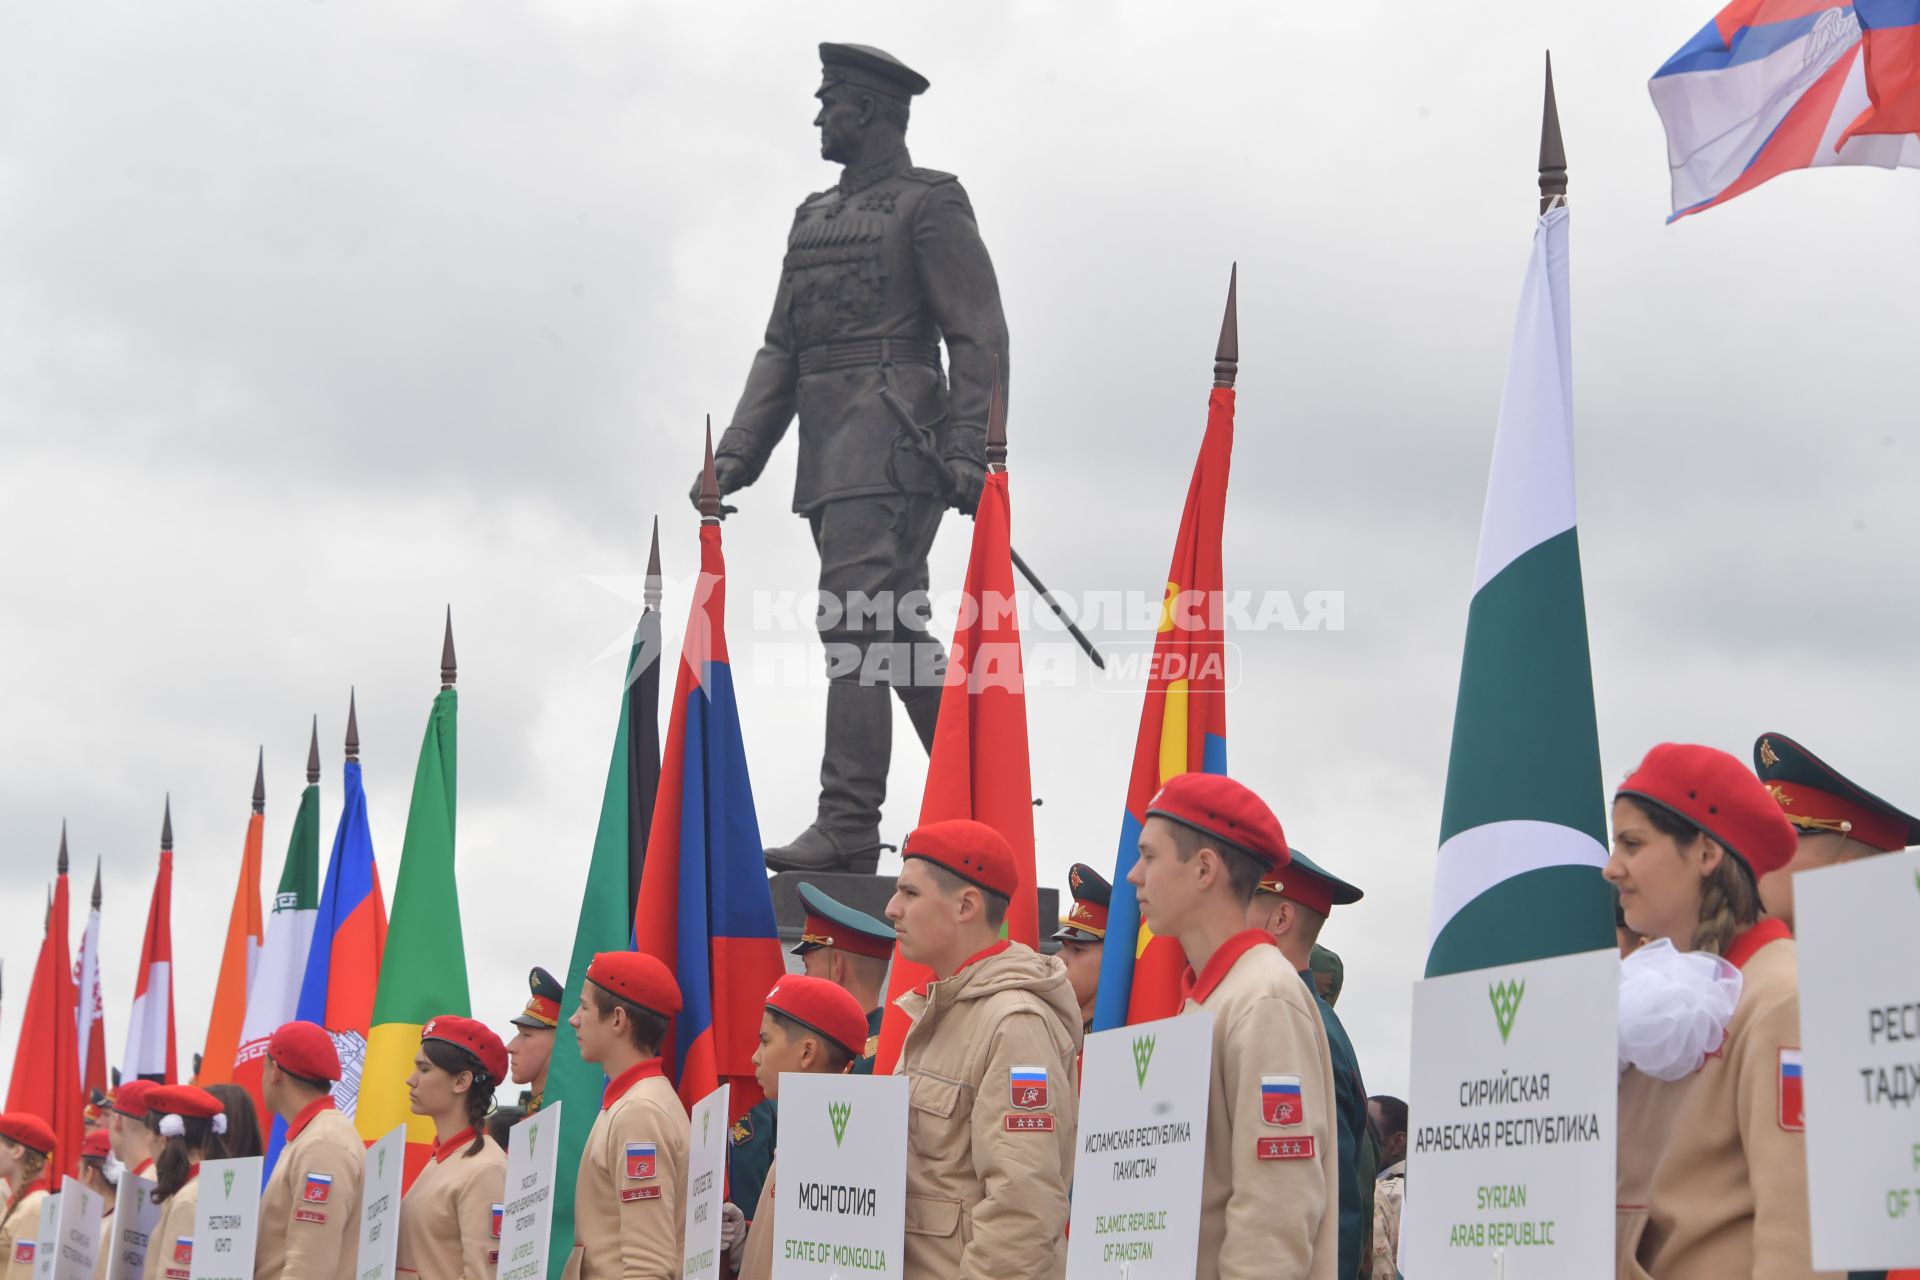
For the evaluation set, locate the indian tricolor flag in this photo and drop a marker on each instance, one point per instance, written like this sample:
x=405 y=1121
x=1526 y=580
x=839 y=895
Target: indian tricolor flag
x=1523 y=829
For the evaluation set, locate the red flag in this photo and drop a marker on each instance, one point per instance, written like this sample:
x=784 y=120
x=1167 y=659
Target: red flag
x=246 y=931
x=979 y=767
x=46 y=1067
x=150 y=1052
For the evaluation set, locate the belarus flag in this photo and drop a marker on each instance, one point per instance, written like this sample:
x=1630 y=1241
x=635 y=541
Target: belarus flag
x=150 y=1054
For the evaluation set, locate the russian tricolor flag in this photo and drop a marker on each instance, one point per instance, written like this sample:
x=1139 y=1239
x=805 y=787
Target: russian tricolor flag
x=1793 y=1097
x=705 y=909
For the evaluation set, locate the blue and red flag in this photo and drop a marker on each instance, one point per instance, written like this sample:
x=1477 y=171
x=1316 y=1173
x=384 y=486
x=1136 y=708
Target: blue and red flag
x=704 y=908
x=343 y=961
x=1769 y=86
x=1183 y=729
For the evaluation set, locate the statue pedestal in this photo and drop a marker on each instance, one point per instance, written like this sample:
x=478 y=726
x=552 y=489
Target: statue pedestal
x=864 y=893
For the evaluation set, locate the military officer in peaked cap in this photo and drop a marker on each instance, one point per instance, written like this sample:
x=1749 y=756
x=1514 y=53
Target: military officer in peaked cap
x=880 y=270
x=1083 y=935
x=1837 y=819
x=530 y=1051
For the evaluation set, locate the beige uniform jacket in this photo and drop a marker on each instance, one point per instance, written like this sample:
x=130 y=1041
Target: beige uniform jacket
x=103 y=1251
x=756 y=1255
x=1729 y=1195
x=170 y=1247
x=447 y=1227
x=1649 y=1109
x=1270 y=1199
x=993 y=1107
x=310 y=1210
x=627 y=1216
x=20 y=1233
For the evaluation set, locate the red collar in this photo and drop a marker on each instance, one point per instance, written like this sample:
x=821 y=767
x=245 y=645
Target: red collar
x=1756 y=936
x=618 y=1086
x=140 y=1170
x=971 y=960
x=442 y=1150
x=1197 y=989
x=193 y=1171
x=307 y=1113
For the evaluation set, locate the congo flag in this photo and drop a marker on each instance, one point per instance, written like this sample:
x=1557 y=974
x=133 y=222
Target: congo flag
x=705 y=909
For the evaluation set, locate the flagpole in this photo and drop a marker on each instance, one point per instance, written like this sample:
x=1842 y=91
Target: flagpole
x=449 y=667
x=1226 y=356
x=709 y=487
x=353 y=728
x=1553 y=152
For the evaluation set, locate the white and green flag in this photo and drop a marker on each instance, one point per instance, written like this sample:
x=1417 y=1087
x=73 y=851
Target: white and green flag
x=1523 y=829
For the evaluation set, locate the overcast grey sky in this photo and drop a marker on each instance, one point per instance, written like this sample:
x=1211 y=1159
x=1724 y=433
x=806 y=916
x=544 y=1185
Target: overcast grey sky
x=318 y=317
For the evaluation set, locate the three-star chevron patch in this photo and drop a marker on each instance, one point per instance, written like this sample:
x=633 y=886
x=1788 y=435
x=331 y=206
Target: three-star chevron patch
x=1284 y=1148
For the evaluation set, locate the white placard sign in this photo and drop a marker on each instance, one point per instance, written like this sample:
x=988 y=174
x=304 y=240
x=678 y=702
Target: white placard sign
x=135 y=1215
x=43 y=1246
x=1511 y=1137
x=1141 y=1150
x=77 y=1231
x=1858 y=927
x=526 y=1217
x=706 y=1185
x=226 y=1220
x=840 y=1177
x=380 y=1205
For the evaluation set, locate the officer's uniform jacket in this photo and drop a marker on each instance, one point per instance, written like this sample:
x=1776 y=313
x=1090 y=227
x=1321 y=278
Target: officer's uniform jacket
x=1729 y=1195
x=1270 y=1197
x=447 y=1226
x=1350 y=1130
x=310 y=1210
x=992 y=1110
x=170 y=1246
x=627 y=1214
x=878 y=271
x=20 y=1232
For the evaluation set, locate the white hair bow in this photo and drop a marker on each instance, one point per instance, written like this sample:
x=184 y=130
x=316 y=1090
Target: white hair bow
x=172 y=1126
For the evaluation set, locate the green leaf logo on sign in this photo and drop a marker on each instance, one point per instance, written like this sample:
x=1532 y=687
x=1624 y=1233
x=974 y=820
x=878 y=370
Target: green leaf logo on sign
x=1506 y=1004
x=1142 y=1055
x=533 y=1137
x=226 y=1177
x=380 y=1158
x=839 y=1112
x=706 y=1125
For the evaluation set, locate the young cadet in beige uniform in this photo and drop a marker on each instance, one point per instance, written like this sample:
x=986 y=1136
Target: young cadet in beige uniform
x=26 y=1144
x=1269 y=1203
x=185 y=1118
x=310 y=1210
x=448 y=1230
x=94 y=1153
x=627 y=1218
x=810 y=1026
x=1692 y=833
x=133 y=1142
x=993 y=1086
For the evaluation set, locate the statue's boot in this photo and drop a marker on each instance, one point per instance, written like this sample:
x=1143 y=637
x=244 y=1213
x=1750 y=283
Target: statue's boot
x=845 y=835
x=923 y=708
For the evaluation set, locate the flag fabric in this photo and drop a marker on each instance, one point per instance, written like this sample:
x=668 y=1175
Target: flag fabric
x=46 y=1066
x=606 y=918
x=1770 y=86
x=91 y=1009
x=424 y=971
x=1183 y=728
x=239 y=960
x=978 y=767
x=150 y=1052
x=705 y=908
x=274 y=997
x=1523 y=825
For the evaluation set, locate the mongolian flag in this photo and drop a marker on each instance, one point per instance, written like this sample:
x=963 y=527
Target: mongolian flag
x=705 y=909
x=1183 y=724
x=150 y=1053
x=246 y=930
x=46 y=1067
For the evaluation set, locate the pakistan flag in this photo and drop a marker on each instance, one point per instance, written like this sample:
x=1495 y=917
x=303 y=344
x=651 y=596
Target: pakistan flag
x=1523 y=829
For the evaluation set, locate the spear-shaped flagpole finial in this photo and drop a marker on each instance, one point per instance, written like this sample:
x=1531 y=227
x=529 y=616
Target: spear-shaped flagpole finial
x=709 y=486
x=96 y=879
x=449 y=667
x=260 y=783
x=353 y=728
x=1226 y=357
x=313 y=754
x=1553 y=152
x=997 y=421
x=652 y=590
x=61 y=862
x=166 y=826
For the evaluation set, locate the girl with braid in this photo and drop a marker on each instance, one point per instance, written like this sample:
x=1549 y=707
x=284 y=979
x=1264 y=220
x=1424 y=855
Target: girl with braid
x=449 y=1220
x=1711 y=1125
x=26 y=1144
x=187 y=1119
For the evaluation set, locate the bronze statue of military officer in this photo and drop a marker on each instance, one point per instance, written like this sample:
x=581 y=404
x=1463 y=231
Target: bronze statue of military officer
x=880 y=270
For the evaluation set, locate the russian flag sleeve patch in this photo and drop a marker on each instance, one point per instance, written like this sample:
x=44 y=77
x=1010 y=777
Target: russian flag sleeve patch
x=1280 y=1100
x=319 y=1188
x=1028 y=1085
x=1793 y=1098
x=642 y=1160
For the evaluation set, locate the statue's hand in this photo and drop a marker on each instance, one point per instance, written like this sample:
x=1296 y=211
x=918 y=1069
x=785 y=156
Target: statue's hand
x=727 y=474
x=969 y=478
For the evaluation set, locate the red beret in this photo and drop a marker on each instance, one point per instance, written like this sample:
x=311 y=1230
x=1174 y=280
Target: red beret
x=1718 y=794
x=971 y=850
x=636 y=977
x=822 y=1006
x=1215 y=805
x=130 y=1099
x=475 y=1037
x=96 y=1146
x=30 y=1132
x=306 y=1050
x=186 y=1100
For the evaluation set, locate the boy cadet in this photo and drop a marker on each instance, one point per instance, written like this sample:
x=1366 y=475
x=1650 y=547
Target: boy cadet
x=1083 y=935
x=626 y=1204
x=1292 y=907
x=1837 y=819
x=127 y=1132
x=531 y=1050
x=310 y=1209
x=810 y=1025
x=993 y=1094
x=1269 y=1200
